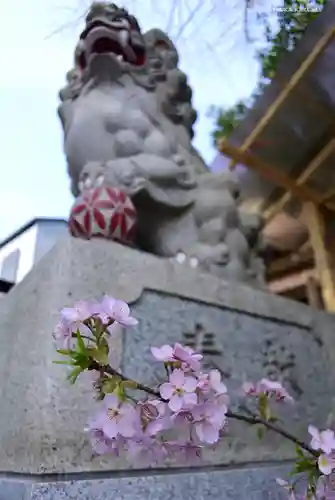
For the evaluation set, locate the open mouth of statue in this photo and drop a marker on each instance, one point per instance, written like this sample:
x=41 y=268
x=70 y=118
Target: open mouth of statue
x=101 y=38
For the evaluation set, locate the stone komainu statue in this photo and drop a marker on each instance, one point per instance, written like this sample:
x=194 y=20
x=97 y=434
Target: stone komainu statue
x=128 y=122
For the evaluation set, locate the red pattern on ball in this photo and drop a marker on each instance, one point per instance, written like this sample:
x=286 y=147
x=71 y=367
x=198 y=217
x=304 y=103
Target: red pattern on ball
x=103 y=212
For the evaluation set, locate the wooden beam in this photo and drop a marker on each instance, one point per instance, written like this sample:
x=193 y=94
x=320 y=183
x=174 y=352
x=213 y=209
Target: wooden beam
x=315 y=221
x=292 y=83
x=272 y=174
x=290 y=282
x=277 y=207
x=303 y=257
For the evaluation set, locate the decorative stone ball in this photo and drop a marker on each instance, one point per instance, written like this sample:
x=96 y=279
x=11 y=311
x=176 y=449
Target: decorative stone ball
x=103 y=212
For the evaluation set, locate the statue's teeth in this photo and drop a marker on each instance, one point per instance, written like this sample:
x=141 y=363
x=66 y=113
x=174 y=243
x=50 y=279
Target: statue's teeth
x=124 y=37
x=119 y=57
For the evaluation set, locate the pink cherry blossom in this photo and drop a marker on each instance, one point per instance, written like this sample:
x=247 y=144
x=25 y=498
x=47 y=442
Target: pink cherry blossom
x=188 y=359
x=288 y=488
x=324 y=440
x=215 y=382
x=209 y=420
x=101 y=444
x=71 y=320
x=325 y=487
x=99 y=313
x=117 y=418
x=118 y=311
x=273 y=388
x=185 y=451
x=62 y=335
x=164 y=353
x=180 y=391
x=148 y=449
x=268 y=387
x=249 y=389
x=155 y=416
x=80 y=312
x=326 y=464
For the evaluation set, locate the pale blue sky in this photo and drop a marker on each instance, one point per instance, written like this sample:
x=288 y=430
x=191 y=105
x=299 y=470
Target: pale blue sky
x=214 y=53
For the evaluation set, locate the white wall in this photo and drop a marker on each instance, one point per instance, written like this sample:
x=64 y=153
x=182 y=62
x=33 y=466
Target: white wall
x=25 y=243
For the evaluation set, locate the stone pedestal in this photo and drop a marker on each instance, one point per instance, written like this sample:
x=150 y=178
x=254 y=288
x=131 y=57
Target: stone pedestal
x=245 y=332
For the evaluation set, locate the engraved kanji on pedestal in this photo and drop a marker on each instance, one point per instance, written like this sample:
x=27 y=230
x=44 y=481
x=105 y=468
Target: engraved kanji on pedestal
x=204 y=343
x=103 y=212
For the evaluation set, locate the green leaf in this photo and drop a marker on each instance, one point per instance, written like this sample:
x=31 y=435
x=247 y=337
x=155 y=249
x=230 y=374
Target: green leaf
x=260 y=433
x=109 y=385
x=81 y=360
x=75 y=374
x=304 y=465
x=65 y=352
x=64 y=363
x=299 y=451
x=263 y=406
x=80 y=343
x=120 y=392
x=99 y=355
x=129 y=384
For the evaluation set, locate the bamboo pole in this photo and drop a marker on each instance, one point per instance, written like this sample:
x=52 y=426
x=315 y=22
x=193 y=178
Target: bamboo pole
x=316 y=226
x=293 y=82
x=272 y=211
x=273 y=174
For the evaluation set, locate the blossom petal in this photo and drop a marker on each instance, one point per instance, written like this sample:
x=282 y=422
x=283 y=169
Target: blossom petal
x=215 y=376
x=129 y=321
x=177 y=378
x=120 y=310
x=176 y=403
x=111 y=401
x=314 y=432
x=190 y=384
x=190 y=398
x=126 y=427
x=163 y=353
x=166 y=390
x=326 y=464
x=111 y=428
x=210 y=433
x=327 y=440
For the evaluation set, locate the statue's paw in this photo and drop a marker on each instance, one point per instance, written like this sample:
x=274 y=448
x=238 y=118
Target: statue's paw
x=182 y=258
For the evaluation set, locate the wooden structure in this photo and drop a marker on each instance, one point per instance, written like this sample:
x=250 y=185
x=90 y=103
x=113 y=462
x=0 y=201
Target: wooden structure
x=288 y=142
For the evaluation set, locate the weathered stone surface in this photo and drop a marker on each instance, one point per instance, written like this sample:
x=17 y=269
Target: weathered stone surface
x=132 y=130
x=42 y=417
x=256 y=483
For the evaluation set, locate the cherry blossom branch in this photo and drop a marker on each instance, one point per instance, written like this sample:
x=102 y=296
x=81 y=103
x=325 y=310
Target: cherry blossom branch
x=251 y=418
x=111 y=371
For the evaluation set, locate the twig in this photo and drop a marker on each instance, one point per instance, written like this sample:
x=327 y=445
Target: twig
x=110 y=371
x=254 y=419
x=251 y=419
